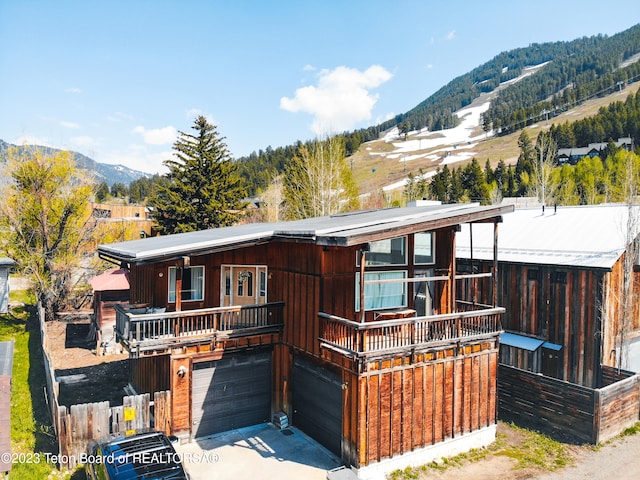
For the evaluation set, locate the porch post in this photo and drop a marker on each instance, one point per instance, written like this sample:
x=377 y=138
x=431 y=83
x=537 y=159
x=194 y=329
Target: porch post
x=179 y=270
x=363 y=255
x=452 y=301
x=494 y=273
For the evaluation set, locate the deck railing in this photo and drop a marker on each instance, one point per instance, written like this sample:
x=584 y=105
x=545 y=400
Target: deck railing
x=137 y=329
x=362 y=339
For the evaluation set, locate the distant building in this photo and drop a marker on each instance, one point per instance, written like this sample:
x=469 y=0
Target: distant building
x=571 y=156
x=6 y=264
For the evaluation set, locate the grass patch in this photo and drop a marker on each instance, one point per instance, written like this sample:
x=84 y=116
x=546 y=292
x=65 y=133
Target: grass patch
x=535 y=450
x=631 y=430
x=538 y=451
x=31 y=429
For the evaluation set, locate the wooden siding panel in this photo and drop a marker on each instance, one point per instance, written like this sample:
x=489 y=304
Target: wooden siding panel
x=418 y=408
x=374 y=416
x=429 y=404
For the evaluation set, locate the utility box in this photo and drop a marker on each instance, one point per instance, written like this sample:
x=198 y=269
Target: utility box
x=280 y=420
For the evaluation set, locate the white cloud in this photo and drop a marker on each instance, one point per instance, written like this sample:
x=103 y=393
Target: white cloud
x=192 y=113
x=72 y=125
x=340 y=100
x=85 y=141
x=140 y=158
x=157 y=136
x=28 y=139
x=309 y=68
x=451 y=35
x=119 y=117
x=73 y=90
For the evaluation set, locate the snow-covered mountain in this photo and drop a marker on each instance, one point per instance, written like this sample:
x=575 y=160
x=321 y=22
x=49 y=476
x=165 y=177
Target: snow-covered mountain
x=102 y=172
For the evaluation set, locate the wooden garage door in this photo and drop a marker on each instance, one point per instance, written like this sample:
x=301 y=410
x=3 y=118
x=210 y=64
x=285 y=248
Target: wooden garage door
x=317 y=403
x=232 y=392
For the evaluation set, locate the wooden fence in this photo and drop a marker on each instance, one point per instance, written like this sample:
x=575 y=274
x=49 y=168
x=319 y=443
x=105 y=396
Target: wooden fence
x=80 y=425
x=568 y=411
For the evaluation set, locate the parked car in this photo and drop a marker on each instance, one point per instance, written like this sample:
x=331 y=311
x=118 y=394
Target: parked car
x=148 y=456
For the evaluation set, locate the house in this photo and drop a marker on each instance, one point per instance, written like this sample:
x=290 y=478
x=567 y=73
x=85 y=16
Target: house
x=561 y=280
x=6 y=264
x=574 y=154
x=271 y=321
x=124 y=218
x=6 y=367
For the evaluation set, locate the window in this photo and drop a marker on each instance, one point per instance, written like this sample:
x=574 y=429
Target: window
x=382 y=295
x=423 y=248
x=386 y=252
x=192 y=284
x=263 y=283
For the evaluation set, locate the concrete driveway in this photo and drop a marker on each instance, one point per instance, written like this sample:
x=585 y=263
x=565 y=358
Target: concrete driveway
x=258 y=452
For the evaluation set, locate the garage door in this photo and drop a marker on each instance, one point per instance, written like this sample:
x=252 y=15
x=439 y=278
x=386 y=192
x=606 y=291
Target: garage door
x=232 y=392
x=317 y=403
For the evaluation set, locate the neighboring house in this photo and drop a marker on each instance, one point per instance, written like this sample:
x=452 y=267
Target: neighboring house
x=561 y=280
x=6 y=367
x=272 y=321
x=6 y=264
x=573 y=155
x=125 y=215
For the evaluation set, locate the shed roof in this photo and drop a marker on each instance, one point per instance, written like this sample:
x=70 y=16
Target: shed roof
x=116 y=279
x=590 y=236
x=7 y=262
x=6 y=358
x=339 y=230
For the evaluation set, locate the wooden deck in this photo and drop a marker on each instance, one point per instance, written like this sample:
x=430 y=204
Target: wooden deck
x=150 y=331
x=357 y=339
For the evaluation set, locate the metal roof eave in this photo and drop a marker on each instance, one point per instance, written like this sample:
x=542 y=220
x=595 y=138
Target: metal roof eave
x=383 y=231
x=330 y=231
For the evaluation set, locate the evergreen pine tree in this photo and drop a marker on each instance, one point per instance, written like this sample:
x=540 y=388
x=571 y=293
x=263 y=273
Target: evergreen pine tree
x=203 y=188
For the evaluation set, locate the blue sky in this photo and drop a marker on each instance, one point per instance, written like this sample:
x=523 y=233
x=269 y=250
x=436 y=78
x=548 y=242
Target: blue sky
x=116 y=80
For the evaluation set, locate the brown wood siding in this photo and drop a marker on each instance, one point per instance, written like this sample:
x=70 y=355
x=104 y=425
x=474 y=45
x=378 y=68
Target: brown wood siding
x=567 y=411
x=559 y=305
x=180 y=396
x=405 y=406
x=150 y=374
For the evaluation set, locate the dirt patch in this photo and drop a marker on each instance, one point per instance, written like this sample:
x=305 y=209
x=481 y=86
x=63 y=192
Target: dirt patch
x=84 y=376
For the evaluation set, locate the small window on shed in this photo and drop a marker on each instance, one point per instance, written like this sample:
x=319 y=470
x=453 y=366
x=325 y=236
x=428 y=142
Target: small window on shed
x=532 y=275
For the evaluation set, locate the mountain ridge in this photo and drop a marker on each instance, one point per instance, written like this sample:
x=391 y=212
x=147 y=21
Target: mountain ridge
x=101 y=172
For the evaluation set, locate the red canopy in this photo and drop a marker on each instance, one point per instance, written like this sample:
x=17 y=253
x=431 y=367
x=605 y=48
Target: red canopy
x=116 y=279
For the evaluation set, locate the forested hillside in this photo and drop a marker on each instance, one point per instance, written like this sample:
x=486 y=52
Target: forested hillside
x=590 y=181
x=572 y=73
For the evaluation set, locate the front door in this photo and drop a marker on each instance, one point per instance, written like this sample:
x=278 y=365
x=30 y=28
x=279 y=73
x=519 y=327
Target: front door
x=243 y=285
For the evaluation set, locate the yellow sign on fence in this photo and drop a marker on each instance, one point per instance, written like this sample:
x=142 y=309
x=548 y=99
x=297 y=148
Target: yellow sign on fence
x=129 y=414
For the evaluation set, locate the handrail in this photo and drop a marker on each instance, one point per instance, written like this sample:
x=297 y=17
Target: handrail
x=156 y=328
x=356 y=338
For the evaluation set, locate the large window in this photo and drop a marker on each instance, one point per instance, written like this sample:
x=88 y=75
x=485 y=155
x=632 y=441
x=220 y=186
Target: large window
x=391 y=251
x=192 y=284
x=423 y=248
x=382 y=295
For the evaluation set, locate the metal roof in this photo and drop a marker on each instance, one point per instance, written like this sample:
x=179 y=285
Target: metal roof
x=590 y=236
x=7 y=262
x=520 y=341
x=526 y=343
x=341 y=230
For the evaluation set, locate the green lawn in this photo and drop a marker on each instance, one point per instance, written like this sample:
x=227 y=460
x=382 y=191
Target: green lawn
x=31 y=430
